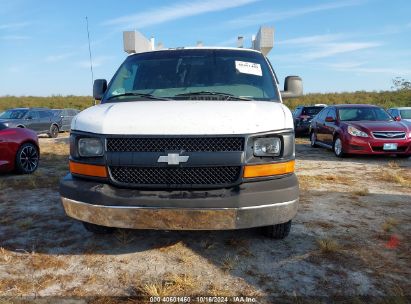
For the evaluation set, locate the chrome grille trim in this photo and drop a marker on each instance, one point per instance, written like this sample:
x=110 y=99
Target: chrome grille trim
x=389 y=134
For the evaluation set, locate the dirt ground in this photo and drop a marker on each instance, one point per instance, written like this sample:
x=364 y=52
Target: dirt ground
x=351 y=238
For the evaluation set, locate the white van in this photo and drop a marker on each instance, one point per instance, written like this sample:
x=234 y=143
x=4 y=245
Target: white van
x=186 y=139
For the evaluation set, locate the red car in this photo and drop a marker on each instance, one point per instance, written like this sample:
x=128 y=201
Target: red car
x=19 y=150
x=360 y=129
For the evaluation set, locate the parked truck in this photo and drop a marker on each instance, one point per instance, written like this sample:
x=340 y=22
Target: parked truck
x=186 y=139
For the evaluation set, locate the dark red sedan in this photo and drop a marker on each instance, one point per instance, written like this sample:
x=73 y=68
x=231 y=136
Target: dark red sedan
x=360 y=129
x=19 y=150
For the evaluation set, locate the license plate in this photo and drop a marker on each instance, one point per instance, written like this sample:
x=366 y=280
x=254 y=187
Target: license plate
x=390 y=146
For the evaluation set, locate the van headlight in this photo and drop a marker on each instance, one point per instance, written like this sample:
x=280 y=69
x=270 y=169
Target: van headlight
x=267 y=146
x=90 y=147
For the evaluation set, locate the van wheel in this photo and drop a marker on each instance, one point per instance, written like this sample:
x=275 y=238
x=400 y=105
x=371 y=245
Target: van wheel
x=97 y=229
x=279 y=231
x=313 y=140
x=338 y=147
x=54 y=131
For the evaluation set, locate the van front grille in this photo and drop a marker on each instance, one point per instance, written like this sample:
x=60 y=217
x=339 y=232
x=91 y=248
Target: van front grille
x=188 y=144
x=175 y=176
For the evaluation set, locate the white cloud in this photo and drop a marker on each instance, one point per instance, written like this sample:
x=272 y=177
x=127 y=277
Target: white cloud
x=232 y=42
x=15 y=37
x=266 y=17
x=58 y=57
x=15 y=69
x=346 y=65
x=311 y=40
x=174 y=12
x=331 y=49
x=97 y=61
x=369 y=70
x=13 y=26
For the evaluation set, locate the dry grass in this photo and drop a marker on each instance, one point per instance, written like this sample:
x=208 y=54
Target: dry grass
x=6 y=256
x=171 y=246
x=246 y=252
x=36 y=180
x=217 y=291
x=237 y=243
x=328 y=246
x=155 y=289
x=50 y=150
x=322 y=224
x=93 y=261
x=207 y=244
x=53 y=166
x=43 y=261
x=229 y=262
x=183 y=282
x=389 y=224
x=392 y=164
x=172 y=284
x=315 y=181
x=17 y=286
x=361 y=192
x=185 y=258
x=399 y=177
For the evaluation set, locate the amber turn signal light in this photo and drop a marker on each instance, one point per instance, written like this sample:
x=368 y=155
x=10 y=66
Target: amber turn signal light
x=268 y=169
x=89 y=170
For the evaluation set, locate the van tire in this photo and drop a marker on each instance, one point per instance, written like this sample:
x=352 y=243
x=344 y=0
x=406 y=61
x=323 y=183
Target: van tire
x=97 y=229
x=279 y=231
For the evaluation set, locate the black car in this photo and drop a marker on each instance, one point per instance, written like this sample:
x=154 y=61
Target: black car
x=303 y=115
x=64 y=117
x=40 y=120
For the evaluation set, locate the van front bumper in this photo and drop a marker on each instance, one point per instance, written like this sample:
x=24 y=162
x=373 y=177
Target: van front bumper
x=253 y=204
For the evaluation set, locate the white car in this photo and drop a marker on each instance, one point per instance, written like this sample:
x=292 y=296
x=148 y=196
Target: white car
x=186 y=139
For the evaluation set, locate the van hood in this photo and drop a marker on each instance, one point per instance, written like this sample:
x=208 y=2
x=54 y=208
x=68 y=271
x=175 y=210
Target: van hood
x=184 y=117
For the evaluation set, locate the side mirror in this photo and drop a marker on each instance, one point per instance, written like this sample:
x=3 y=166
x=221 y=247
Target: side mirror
x=293 y=87
x=329 y=119
x=29 y=117
x=397 y=118
x=99 y=88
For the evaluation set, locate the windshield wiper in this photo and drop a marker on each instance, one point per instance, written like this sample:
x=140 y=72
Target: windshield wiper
x=145 y=95
x=227 y=96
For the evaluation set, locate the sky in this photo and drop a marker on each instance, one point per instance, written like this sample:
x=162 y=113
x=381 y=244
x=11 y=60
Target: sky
x=335 y=45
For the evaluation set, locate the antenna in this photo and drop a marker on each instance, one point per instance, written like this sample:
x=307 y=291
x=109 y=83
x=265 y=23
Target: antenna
x=89 y=51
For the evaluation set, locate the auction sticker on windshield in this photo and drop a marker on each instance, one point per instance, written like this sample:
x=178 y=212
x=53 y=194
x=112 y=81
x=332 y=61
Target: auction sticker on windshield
x=248 y=68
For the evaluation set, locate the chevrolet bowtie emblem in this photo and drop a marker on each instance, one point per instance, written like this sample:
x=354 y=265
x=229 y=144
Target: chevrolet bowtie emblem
x=173 y=159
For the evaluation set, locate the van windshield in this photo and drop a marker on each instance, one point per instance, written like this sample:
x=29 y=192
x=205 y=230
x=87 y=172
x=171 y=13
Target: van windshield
x=189 y=73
